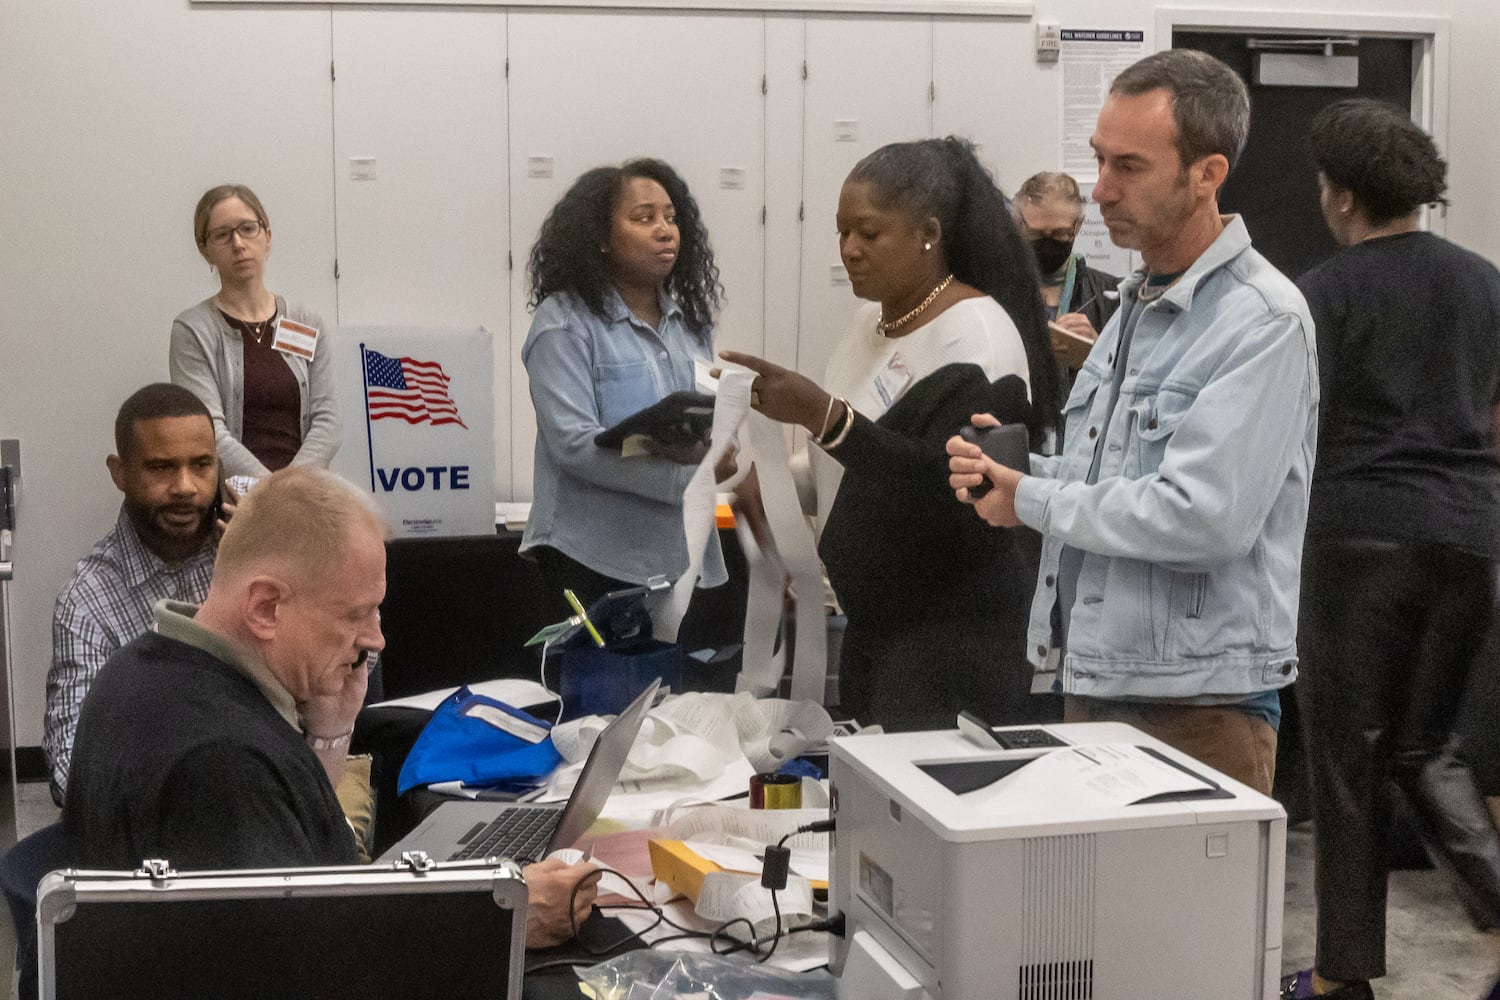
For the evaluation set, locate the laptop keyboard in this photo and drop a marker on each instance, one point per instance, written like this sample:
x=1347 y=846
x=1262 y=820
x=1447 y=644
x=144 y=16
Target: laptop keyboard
x=520 y=834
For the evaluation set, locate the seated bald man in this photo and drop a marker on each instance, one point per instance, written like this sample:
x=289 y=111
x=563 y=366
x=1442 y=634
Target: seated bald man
x=216 y=741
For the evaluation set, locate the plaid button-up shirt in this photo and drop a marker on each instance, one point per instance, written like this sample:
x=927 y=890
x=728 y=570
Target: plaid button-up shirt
x=105 y=604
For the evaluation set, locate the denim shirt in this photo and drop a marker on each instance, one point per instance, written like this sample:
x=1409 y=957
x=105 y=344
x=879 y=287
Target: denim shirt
x=1192 y=534
x=618 y=516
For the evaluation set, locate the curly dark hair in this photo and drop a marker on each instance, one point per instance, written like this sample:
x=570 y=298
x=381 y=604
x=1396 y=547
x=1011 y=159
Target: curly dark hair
x=942 y=179
x=567 y=258
x=1376 y=151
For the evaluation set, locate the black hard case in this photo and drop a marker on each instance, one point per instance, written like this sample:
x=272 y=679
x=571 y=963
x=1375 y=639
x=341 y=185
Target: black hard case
x=451 y=930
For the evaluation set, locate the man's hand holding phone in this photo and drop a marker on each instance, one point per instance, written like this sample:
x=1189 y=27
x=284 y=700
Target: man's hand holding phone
x=987 y=461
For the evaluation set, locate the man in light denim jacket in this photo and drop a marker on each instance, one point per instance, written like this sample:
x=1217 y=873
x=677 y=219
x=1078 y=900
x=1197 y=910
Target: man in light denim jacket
x=1173 y=518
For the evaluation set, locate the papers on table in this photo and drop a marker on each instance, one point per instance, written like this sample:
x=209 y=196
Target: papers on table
x=1105 y=774
x=695 y=747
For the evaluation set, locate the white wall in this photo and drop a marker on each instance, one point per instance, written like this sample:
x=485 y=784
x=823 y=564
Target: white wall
x=114 y=117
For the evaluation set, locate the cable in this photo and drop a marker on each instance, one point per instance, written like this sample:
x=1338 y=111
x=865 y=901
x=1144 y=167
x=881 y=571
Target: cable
x=646 y=904
x=774 y=873
x=777 y=872
x=546 y=646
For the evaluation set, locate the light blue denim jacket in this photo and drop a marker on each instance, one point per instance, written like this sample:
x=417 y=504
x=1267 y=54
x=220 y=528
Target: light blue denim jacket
x=1192 y=533
x=618 y=516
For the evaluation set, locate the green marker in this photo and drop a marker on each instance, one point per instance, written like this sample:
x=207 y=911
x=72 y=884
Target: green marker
x=593 y=632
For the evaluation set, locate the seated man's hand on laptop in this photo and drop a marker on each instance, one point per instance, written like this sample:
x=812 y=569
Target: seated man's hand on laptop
x=553 y=909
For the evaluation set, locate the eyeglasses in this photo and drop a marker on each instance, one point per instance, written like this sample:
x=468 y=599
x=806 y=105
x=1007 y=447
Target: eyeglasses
x=247 y=230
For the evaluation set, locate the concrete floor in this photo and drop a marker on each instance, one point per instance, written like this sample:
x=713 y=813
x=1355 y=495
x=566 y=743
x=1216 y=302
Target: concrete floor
x=1432 y=951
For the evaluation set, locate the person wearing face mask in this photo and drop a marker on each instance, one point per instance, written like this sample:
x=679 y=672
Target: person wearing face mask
x=625 y=290
x=1048 y=209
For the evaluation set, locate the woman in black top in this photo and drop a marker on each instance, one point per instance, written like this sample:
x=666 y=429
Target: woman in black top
x=937 y=605
x=1403 y=533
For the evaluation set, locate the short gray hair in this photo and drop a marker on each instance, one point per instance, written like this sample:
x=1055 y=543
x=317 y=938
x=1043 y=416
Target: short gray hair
x=1210 y=103
x=302 y=517
x=1049 y=185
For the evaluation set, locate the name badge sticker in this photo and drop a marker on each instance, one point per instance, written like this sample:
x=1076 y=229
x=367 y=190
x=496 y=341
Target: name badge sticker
x=893 y=380
x=295 y=338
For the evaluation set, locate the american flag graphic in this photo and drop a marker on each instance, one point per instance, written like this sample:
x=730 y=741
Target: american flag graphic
x=407 y=389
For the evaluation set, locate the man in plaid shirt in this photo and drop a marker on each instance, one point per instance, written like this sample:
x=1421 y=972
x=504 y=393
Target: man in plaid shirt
x=162 y=546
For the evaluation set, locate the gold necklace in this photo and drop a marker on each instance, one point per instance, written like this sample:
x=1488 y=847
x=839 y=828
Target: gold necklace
x=887 y=329
x=258 y=330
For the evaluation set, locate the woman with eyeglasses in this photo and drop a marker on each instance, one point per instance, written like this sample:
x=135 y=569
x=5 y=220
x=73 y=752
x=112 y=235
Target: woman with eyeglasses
x=263 y=367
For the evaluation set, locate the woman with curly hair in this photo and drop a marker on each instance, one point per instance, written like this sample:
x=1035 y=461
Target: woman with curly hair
x=1403 y=534
x=625 y=291
x=937 y=605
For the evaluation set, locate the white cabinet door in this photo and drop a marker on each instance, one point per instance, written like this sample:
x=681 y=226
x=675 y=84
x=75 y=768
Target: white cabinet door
x=988 y=87
x=867 y=85
x=589 y=89
x=419 y=165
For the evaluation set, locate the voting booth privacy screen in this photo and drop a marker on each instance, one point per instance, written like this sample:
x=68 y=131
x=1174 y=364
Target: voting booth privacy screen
x=418 y=410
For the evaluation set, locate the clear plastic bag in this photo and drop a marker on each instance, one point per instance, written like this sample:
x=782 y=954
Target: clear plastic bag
x=667 y=975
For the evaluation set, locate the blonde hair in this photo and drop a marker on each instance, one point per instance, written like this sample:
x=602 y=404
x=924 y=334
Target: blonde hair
x=224 y=192
x=300 y=517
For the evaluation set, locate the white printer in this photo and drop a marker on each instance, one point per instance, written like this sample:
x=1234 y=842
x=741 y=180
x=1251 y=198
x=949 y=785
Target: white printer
x=1039 y=873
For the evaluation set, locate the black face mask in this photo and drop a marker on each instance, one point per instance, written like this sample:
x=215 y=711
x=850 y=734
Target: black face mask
x=1051 y=254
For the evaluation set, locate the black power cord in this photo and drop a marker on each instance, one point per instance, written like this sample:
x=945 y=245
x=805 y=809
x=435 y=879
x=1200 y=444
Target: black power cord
x=774 y=874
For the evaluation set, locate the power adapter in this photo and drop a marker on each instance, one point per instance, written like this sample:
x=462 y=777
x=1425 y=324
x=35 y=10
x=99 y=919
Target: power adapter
x=773 y=872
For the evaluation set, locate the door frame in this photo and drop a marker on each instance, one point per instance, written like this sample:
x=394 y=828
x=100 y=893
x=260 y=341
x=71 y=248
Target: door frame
x=1430 y=53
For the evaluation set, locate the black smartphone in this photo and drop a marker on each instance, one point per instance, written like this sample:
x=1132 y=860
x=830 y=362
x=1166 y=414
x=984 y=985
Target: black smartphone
x=1008 y=445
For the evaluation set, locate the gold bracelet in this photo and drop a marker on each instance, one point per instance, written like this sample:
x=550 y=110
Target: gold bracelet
x=843 y=433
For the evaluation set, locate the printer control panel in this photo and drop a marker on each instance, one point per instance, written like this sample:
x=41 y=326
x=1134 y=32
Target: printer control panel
x=1026 y=739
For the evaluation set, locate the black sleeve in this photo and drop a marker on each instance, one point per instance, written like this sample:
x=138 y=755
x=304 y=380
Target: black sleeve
x=1318 y=288
x=1101 y=307
x=909 y=444
x=227 y=806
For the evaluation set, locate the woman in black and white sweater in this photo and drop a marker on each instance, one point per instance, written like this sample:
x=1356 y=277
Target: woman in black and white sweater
x=937 y=605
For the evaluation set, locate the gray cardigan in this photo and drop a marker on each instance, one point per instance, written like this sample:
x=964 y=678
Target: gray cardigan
x=207 y=357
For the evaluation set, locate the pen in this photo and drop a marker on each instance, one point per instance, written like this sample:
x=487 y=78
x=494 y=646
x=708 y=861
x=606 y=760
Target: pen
x=1107 y=293
x=593 y=632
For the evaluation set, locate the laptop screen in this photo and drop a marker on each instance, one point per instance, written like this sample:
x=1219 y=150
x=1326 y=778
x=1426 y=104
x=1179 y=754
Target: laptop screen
x=602 y=769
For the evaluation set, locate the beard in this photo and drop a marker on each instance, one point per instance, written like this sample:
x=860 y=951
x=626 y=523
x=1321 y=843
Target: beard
x=172 y=531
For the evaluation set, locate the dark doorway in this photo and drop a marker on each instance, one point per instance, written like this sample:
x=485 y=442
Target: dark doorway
x=1275 y=185
x=1275 y=188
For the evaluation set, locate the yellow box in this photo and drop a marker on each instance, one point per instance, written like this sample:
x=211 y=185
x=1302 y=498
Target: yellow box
x=678 y=865
x=683 y=868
